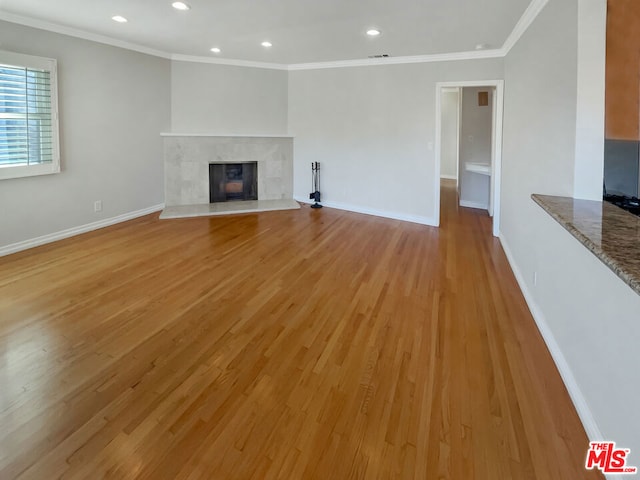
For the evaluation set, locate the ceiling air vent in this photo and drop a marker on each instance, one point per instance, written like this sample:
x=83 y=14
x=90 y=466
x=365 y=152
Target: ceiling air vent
x=383 y=55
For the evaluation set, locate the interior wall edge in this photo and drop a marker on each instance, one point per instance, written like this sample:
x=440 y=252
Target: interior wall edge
x=428 y=221
x=577 y=397
x=70 y=232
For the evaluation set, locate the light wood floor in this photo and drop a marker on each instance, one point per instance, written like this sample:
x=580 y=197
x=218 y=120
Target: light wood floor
x=293 y=345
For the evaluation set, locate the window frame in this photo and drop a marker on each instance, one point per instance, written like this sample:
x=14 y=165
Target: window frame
x=21 y=60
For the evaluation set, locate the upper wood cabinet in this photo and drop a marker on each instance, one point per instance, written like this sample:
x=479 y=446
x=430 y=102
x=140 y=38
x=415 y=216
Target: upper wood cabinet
x=622 y=120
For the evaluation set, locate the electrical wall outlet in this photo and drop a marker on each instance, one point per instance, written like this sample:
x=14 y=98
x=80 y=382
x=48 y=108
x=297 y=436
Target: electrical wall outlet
x=97 y=206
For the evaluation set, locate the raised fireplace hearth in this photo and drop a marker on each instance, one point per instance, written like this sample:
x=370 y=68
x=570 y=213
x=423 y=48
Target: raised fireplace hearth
x=233 y=181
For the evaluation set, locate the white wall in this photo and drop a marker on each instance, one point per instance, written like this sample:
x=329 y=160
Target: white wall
x=372 y=129
x=595 y=319
x=592 y=27
x=475 y=146
x=539 y=122
x=113 y=104
x=450 y=128
x=586 y=311
x=223 y=99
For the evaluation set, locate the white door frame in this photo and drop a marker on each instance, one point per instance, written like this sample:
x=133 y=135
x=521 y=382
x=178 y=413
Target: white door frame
x=496 y=162
x=458 y=92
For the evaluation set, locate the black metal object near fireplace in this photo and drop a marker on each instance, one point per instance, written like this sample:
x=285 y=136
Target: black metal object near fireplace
x=233 y=181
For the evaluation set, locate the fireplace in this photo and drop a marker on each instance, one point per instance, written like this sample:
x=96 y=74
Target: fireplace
x=233 y=181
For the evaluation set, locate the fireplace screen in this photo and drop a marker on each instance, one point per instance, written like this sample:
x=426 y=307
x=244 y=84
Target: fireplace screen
x=233 y=181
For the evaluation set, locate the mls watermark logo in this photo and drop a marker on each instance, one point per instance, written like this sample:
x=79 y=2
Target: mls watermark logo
x=609 y=459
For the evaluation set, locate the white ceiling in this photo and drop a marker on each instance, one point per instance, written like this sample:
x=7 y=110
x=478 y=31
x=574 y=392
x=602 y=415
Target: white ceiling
x=302 y=31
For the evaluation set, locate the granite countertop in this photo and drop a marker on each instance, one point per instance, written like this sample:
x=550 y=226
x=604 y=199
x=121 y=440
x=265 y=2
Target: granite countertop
x=612 y=234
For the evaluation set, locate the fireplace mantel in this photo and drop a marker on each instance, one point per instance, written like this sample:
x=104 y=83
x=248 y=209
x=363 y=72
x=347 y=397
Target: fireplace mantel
x=187 y=158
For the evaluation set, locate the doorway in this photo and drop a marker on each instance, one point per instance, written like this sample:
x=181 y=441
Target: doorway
x=450 y=133
x=477 y=160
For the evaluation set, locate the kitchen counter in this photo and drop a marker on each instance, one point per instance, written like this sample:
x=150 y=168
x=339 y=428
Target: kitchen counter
x=610 y=233
x=481 y=168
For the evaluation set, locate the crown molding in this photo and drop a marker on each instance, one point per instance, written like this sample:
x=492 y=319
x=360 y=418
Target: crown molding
x=529 y=15
x=75 y=32
x=225 y=135
x=228 y=61
x=366 y=62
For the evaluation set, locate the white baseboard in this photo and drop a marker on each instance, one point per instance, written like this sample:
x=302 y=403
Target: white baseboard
x=70 y=232
x=449 y=177
x=372 y=211
x=481 y=206
x=580 y=403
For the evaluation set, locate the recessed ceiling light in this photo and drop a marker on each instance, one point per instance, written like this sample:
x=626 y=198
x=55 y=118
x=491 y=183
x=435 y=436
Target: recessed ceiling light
x=373 y=32
x=267 y=44
x=180 y=6
x=215 y=50
x=482 y=46
x=119 y=19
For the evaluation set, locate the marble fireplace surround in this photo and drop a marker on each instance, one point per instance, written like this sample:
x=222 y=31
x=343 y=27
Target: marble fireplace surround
x=187 y=158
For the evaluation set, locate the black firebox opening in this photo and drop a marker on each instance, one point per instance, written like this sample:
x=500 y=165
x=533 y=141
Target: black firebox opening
x=233 y=181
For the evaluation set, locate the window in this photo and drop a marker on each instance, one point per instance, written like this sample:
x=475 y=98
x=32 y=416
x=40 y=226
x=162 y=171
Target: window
x=28 y=116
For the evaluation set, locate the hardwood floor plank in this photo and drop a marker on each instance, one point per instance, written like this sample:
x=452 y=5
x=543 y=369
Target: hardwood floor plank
x=287 y=345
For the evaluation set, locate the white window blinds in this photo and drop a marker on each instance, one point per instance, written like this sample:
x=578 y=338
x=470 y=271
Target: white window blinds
x=28 y=123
